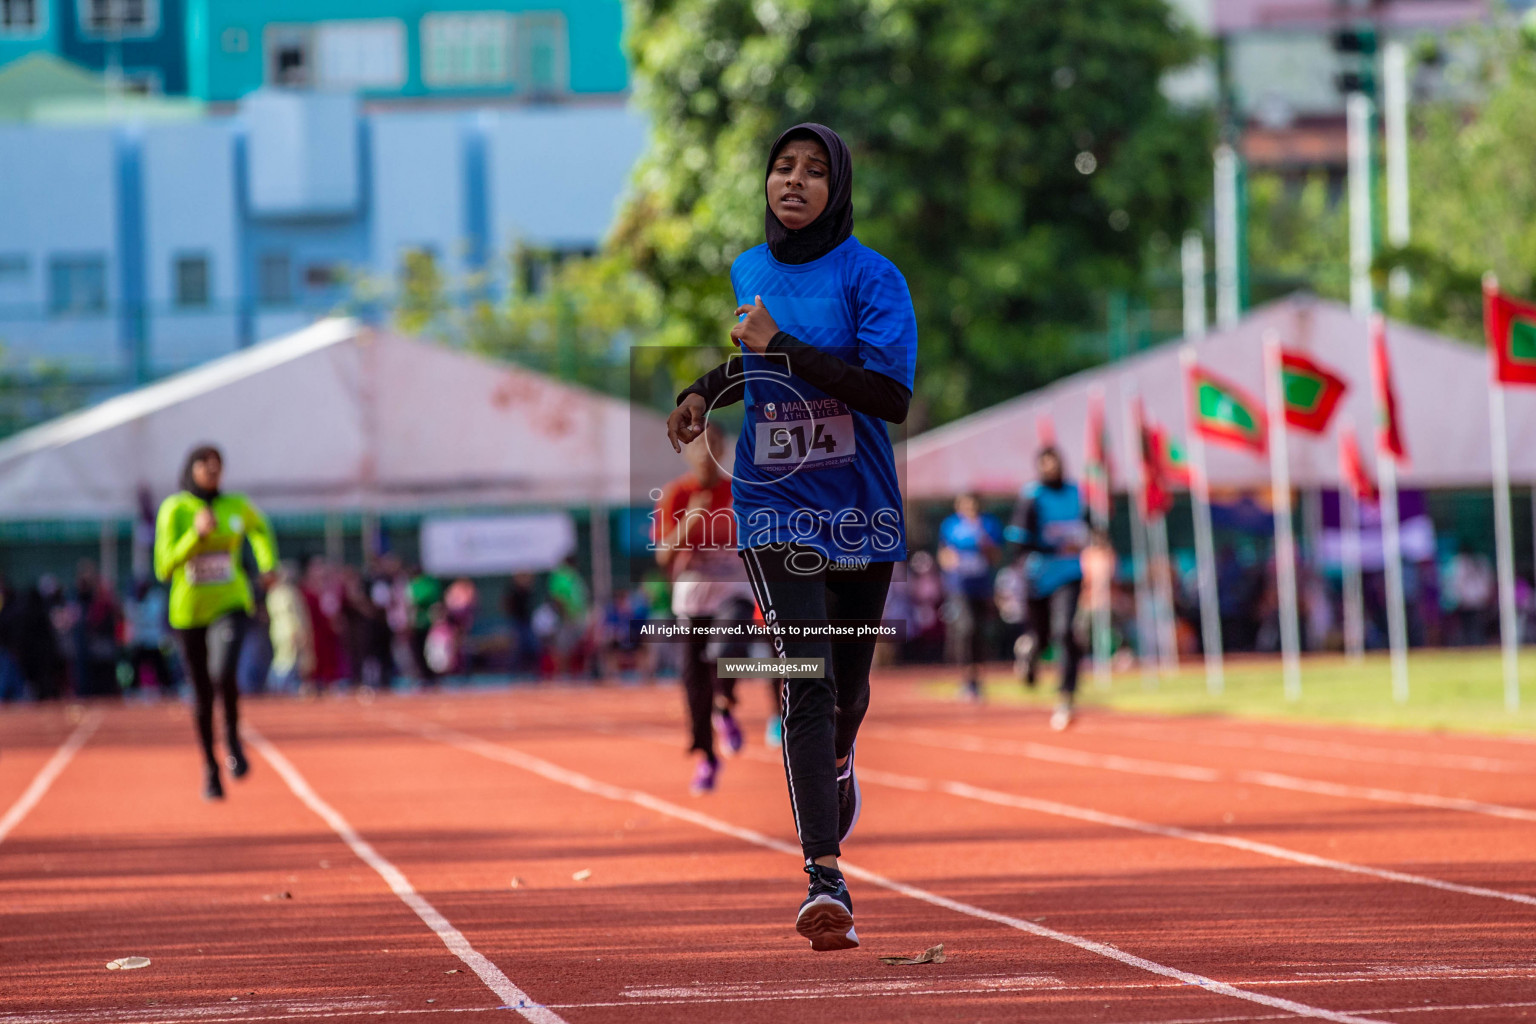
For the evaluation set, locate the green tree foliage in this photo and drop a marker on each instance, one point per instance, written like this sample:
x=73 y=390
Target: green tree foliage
x=1013 y=158
x=1473 y=193
x=1472 y=197
x=36 y=391
x=1298 y=237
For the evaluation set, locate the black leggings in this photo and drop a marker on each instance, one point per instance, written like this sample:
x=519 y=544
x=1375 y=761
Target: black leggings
x=701 y=687
x=821 y=716
x=979 y=609
x=1052 y=617
x=227 y=635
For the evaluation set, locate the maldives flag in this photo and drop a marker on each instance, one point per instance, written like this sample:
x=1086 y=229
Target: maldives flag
x=1096 y=480
x=1389 y=435
x=1352 y=467
x=1156 y=499
x=1311 y=392
x=1225 y=413
x=1175 y=461
x=1511 y=328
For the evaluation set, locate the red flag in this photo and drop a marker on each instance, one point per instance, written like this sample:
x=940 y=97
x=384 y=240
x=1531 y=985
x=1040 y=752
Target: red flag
x=1096 y=477
x=1045 y=430
x=1156 y=499
x=1352 y=467
x=1511 y=329
x=1389 y=435
x=1310 y=391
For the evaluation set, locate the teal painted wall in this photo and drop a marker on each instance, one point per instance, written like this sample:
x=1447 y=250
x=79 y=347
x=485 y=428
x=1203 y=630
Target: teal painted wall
x=46 y=39
x=594 y=31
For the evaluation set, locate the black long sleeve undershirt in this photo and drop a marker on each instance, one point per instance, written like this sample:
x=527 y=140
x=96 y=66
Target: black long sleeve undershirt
x=862 y=390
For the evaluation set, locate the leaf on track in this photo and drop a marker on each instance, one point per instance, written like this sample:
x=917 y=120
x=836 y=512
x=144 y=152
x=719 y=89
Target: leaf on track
x=582 y=875
x=273 y=897
x=128 y=963
x=931 y=955
x=517 y=883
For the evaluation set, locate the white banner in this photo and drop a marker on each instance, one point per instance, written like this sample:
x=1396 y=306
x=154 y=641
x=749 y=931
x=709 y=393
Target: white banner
x=496 y=545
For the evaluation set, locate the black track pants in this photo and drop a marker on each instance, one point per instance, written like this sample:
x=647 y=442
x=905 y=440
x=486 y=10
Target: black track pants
x=821 y=716
x=702 y=689
x=227 y=635
x=1051 y=619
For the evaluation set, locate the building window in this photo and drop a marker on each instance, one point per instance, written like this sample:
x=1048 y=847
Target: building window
x=274 y=279
x=290 y=60
x=77 y=284
x=467 y=50
x=543 y=54
x=20 y=17
x=192 y=288
x=320 y=276
x=14 y=267
x=360 y=54
x=118 y=18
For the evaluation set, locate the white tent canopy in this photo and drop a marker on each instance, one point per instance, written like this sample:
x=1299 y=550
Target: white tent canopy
x=1442 y=392
x=339 y=416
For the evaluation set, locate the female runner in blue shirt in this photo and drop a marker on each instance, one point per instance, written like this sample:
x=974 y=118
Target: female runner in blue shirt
x=829 y=344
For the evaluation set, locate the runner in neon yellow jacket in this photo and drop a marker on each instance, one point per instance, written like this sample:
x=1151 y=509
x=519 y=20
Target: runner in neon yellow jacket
x=204 y=571
x=200 y=534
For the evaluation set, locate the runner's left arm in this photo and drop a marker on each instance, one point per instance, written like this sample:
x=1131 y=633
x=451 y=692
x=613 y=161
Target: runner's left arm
x=259 y=532
x=861 y=389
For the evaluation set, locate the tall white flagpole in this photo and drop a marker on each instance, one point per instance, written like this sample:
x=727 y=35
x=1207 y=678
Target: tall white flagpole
x=1205 y=553
x=1503 y=532
x=1228 y=285
x=1391 y=539
x=1349 y=559
x=1285 y=539
x=1394 y=66
x=1357 y=109
x=1146 y=620
x=1164 y=608
x=1100 y=626
x=1392 y=555
x=1192 y=262
x=1509 y=626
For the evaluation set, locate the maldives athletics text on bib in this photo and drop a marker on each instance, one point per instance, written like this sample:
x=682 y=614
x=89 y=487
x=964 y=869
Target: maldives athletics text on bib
x=813 y=434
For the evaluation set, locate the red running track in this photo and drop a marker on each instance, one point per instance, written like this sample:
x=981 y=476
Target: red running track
x=1135 y=870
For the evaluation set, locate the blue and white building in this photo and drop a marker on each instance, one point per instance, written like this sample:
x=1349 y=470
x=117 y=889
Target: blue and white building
x=129 y=250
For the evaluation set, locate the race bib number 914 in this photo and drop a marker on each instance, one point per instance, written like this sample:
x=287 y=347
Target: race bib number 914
x=810 y=435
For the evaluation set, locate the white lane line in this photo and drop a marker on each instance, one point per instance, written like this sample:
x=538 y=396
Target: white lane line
x=512 y=997
x=1047 y=752
x=1088 y=814
x=45 y=776
x=555 y=773
x=225 y=1013
x=1275 y=780
x=1051 y=807
x=1238 y=740
x=1195 y=773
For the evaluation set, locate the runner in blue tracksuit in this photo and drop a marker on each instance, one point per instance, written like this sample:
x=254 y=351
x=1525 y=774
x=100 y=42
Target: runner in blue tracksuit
x=829 y=342
x=1050 y=524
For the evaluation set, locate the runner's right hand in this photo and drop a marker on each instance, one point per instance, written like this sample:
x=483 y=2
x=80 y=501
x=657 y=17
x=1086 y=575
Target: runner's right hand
x=686 y=421
x=204 y=522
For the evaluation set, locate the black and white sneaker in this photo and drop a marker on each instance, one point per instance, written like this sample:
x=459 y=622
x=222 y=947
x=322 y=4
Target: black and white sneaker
x=826 y=916
x=235 y=761
x=849 y=800
x=213 y=786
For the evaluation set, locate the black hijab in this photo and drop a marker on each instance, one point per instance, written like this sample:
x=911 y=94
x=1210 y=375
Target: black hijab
x=835 y=224
x=196 y=455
